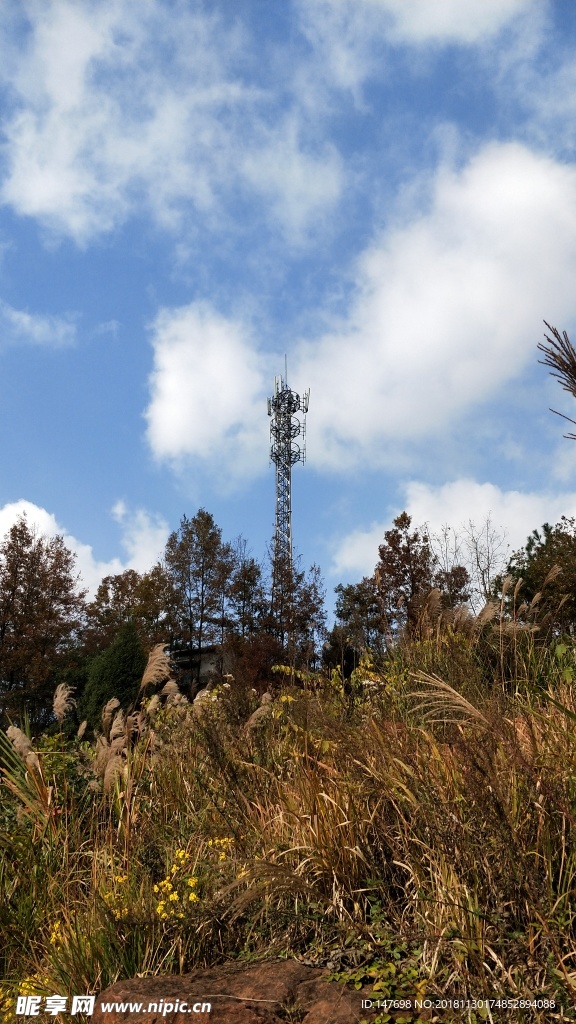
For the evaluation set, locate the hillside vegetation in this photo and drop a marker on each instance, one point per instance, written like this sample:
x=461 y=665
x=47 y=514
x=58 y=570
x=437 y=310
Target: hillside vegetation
x=414 y=828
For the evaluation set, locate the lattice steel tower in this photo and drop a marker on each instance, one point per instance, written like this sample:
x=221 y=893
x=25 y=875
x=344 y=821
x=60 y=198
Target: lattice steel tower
x=285 y=453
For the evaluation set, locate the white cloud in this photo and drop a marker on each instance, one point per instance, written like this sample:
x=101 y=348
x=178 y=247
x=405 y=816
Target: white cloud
x=143 y=538
x=449 y=307
x=299 y=186
x=18 y=326
x=124 y=107
x=207 y=392
x=451 y=21
x=350 y=26
x=536 y=96
x=517 y=512
x=348 y=35
x=456 y=503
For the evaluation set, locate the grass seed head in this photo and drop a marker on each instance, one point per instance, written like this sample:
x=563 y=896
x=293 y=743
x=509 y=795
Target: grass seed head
x=63 y=701
x=158 y=668
x=114 y=769
x=118 y=728
x=108 y=714
x=19 y=740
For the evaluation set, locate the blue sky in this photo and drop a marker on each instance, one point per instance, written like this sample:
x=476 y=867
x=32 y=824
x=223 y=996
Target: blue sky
x=385 y=190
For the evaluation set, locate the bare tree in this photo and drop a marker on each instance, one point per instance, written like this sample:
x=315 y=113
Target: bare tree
x=486 y=558
x=482 y=550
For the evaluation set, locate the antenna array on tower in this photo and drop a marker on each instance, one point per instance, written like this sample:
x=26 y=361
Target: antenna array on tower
x=285 y=452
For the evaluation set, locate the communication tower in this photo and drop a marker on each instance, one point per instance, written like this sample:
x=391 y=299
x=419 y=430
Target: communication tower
x=285 y=452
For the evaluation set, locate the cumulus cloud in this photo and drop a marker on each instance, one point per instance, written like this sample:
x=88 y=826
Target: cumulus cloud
x=448 y=307
x=516 y=513
x=18 y=326
x=208 y=386
x=143 y=539
x=143 y=536
x=123 y=107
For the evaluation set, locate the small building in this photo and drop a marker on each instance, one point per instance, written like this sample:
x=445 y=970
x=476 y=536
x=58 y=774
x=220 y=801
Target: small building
x=199 y=666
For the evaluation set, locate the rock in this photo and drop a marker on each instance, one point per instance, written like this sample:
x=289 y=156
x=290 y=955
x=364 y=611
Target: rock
x=268 y=993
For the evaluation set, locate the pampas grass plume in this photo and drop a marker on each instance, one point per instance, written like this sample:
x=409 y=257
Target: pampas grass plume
x=19 y=740
x=118 y=727
x=152 y=705
x=32 y=760
x=114 y=768
x=108 y=713
x=63 y=701
x=158 y=667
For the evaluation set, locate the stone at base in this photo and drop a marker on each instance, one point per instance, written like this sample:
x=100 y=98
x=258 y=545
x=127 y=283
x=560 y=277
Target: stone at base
x=268 y=993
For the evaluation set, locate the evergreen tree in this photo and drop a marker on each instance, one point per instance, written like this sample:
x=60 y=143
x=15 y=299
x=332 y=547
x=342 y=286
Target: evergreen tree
x=547 y=566
x=359 y=617
x=115 y=672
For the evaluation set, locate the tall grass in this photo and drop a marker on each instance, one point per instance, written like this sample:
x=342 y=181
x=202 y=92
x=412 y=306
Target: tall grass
x=431 y=821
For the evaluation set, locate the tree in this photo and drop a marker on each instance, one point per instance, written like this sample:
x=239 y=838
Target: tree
x=223 y=580
x=247 y=597
x=547 y=566
x=407 y=571
x=486 y=554
x=145 y=599
x=479 y=550
x=199 y=567
x=359 y=615
x=41 y=611
x=297 y=616
x=115 y=672
x=310 y=618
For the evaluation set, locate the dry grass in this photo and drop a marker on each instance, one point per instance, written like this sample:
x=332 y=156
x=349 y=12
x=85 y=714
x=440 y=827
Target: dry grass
x=429 y=818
